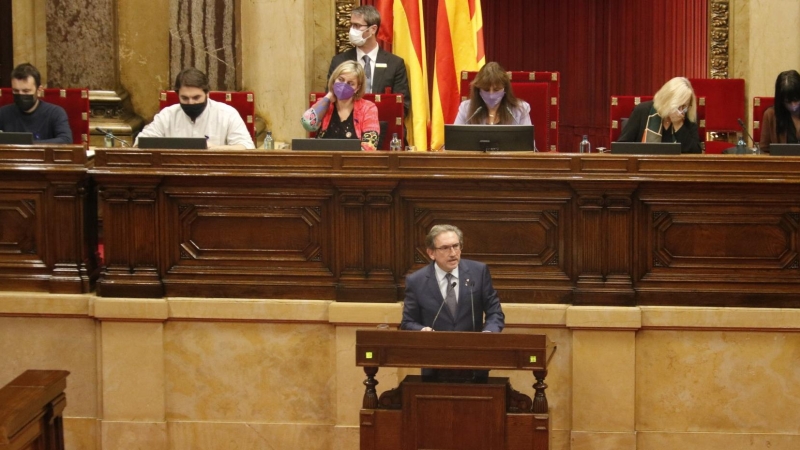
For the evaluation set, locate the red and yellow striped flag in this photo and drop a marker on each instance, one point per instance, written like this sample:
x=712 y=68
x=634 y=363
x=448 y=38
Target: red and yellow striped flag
x=459 y=46
x=408 y=42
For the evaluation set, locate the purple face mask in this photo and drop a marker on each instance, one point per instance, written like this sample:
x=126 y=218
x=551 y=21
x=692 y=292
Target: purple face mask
x=343 y=91
x=492 y=99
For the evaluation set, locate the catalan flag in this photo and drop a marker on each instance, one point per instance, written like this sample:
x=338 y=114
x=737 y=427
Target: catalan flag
x=459 y=46
x=407 y=30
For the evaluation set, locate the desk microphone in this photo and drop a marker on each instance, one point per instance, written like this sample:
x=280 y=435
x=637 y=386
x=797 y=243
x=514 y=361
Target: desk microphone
x=471 y=302
x=440 y=308
x=744 y=130
x=109 y=134
x=473 y=114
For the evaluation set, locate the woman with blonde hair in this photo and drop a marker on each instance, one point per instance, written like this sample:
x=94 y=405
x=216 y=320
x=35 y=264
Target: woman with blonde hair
x=670 y=117
x=342 y=113
x=492 y=101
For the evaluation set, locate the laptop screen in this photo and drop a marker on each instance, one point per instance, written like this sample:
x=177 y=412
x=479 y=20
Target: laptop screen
x=9 y=138
x=180 y=143
x=327 y=144
x=646 y=148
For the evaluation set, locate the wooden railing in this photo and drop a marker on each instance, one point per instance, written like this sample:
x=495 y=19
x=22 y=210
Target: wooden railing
x=31 y=408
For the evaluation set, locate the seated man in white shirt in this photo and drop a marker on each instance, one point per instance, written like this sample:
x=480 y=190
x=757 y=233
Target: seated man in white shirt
x=198 y=116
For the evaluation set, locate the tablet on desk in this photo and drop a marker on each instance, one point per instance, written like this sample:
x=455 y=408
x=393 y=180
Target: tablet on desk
x=327 y=144
x=170 y=143
x=784 y=149
x=646 y=148
x=13 y=138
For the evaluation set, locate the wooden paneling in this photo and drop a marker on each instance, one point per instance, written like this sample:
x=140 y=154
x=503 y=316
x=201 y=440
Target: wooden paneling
x=553 y=228
x=48 y=220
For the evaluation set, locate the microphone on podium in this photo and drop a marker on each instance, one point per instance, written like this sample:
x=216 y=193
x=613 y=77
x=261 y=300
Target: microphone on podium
x=109 y=135
x=453 y=285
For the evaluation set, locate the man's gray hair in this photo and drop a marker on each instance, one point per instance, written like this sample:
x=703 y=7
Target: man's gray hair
x=439 y=229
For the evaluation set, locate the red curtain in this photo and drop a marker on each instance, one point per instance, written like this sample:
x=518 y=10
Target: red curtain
x=601 y=48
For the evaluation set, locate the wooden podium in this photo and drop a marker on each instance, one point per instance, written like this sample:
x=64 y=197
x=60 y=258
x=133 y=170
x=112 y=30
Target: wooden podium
x=423 y=413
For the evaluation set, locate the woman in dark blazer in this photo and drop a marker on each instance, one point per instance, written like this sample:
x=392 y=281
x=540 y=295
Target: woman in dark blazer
x=781 y=122
x=670 y=117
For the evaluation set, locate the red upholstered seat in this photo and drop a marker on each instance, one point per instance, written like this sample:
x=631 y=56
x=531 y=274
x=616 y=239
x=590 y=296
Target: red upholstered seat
x=724 y=102
x=760 y=104
x=541 y=91
x=244 y=102
x=390 y=113
x=621 y=108
x=75 y=102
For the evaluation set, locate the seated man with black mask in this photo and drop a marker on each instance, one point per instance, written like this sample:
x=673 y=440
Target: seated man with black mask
x=198 y=116
x=47 y=122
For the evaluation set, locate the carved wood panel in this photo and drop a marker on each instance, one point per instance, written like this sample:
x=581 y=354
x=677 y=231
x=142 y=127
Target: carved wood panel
x=20 y=228
x=520 y=232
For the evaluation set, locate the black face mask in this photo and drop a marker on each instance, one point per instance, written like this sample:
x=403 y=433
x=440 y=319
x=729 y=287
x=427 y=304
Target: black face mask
x=24 y=101
x=194 y=110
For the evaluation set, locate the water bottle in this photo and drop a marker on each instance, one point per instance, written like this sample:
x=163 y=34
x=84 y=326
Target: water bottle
x=108 y=141
x=585 y=146
x=741 y=145
x=395 y=145
x=269 y=143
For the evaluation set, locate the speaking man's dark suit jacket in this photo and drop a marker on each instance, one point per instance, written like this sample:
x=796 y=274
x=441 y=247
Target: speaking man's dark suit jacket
x=393 y=75
x=424 y=298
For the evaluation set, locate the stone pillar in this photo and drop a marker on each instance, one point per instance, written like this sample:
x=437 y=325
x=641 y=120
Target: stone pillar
x=133 y=377
x=603 y=377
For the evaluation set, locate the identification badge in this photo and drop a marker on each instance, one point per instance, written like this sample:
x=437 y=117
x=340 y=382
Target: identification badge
x=380 y=65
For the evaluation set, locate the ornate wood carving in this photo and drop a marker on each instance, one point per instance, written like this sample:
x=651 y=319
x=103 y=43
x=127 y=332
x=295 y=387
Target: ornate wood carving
x=517 y=402
x=343 y=8
x=47 y=220
x=719 y=32
x=553 y=228
x=391 y=399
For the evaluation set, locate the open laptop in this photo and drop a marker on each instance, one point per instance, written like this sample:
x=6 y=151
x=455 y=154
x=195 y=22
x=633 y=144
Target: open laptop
x=13 y=138
x=646 y=148
x=784 y=149
x=178 y=143
x=327 y=144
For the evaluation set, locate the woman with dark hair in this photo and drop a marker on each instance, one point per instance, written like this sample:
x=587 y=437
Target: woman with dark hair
x=781 y=122
x=492 y=100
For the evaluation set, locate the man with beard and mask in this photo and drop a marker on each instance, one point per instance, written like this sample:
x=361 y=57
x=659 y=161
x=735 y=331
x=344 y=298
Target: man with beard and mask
x=47 y=122
x=198 y=116
x=382 y=69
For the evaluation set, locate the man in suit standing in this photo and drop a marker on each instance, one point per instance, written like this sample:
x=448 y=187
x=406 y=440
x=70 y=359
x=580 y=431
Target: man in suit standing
x=383 y=69
x=451 y=294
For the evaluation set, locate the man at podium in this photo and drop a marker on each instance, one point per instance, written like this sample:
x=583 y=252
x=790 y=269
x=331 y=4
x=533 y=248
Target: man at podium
x=451 y=294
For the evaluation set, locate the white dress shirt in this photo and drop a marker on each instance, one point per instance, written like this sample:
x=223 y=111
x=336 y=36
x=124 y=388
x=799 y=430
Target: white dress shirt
x=373 y=55
x=219 y=123
x=442 y=279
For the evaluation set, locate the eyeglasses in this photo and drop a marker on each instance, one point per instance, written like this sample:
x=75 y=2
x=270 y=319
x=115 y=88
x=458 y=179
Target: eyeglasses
x=359 y=26
x=447 y=248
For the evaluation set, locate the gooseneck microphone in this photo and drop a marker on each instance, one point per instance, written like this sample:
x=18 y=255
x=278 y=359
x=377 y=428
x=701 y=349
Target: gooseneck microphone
x=471 y=302
x=109 y=134
x=453 y=285
x=473 y=114
x=746 y=133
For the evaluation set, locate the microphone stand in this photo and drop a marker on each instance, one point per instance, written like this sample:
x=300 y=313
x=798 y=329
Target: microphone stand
x=109 y=135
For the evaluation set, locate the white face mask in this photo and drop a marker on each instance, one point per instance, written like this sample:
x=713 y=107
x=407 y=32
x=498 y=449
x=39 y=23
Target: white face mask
x=356 y=37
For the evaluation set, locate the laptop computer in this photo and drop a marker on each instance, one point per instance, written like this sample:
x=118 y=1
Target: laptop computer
x=784 y=149
x=173 y=143
x=488 y=138
x=14 y=138
x=646 y=148
x=345 y=145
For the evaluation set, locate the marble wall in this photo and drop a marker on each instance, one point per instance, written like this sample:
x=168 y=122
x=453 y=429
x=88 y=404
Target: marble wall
x=230 y=374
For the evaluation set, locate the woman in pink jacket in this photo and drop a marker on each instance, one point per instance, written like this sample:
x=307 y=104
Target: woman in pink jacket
x=342 y=113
